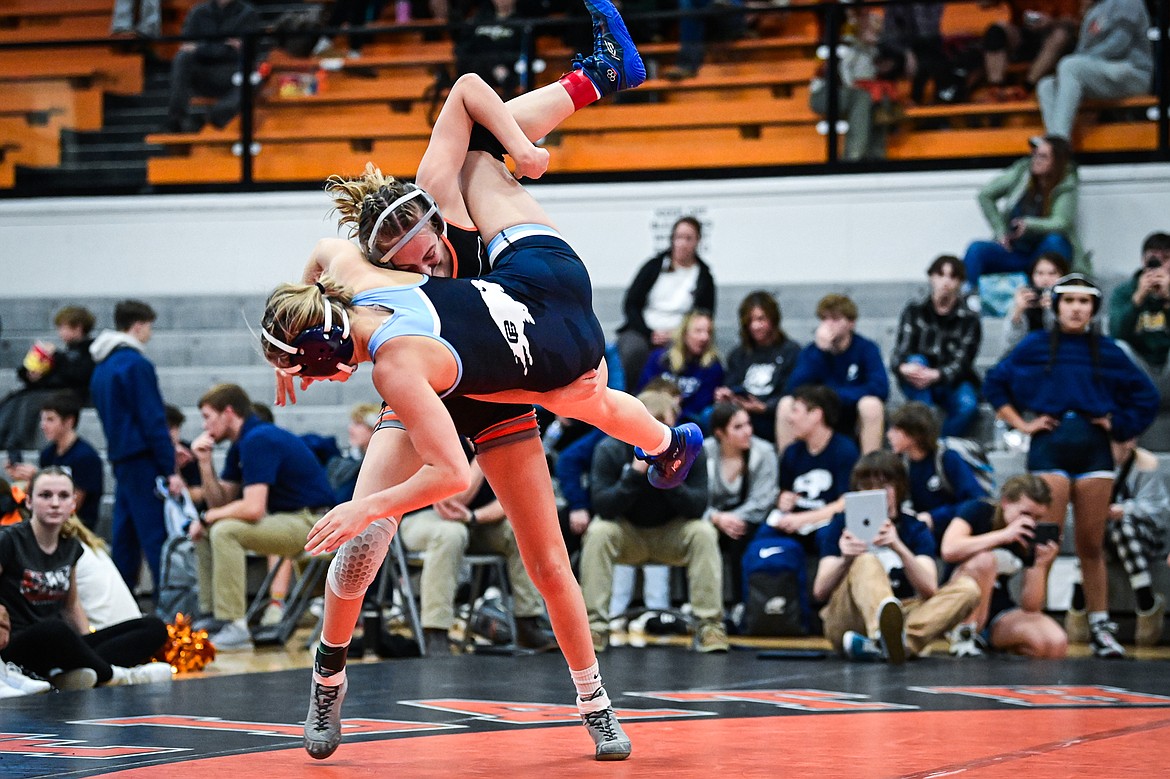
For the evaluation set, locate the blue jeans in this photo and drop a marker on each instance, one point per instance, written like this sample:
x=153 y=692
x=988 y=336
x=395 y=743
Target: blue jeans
x=989 y=257
x=960 y=402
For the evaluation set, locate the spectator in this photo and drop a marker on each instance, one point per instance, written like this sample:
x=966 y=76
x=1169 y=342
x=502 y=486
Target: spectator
x=664 y=289
x=915 y=31
x=126 y=395
x=940 y=479
x=1138 y=512
x=211 y=67
x=147 y=12
x=742 y=473
x=848 y=364
x=105 y=598
x=865 y=89
x=882 y=600
x=38 y=586
x=982 y=533
x=491 y=48
x=1139 y=311
x=758 y=368
x=1039 y=32
x=270 y=492
x=45 y=371
x=343 y=469
x=1032 y=304
x=59 y=425
x=13 y=682
x=1113 y=59
x=814 y=468
x=1038 y=215
x=353 y=14
x=472 y=521
x=938 y=342
x=636 y=524
x=188 y=469
x=692 y=34
x=1083 y=391
x=692 y=363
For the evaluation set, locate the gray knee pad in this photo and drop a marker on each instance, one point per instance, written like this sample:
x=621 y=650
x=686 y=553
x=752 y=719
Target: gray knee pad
x=358 y=560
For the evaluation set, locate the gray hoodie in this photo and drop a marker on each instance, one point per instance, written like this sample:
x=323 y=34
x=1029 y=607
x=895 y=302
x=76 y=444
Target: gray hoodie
x=1115 y=30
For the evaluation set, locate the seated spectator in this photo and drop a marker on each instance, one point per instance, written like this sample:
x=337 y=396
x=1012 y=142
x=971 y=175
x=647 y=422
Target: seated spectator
x=1032 y=304
x=814 y=468
x=471 y=522
x=664 y=289
x=490 y=48
x=883 y=601
x=105 y=598
x=742 y=474
x=270 y=493
x=758 y=369
x=692 y=363
x=940 y=479
x=693 y=33
x=847 y=363
x=865 y=89
x=1139 y=311
x=351 y=14
x=637 y=524
x=991 y=541
x=47 y=370
x=938 y=342
x=1038 y=215
x=343 y=469
x=141 y=18
x=209 y=68
x=1038 y=32
x=13 y=682
x=1138 y=514
x=51 y=634
x=915 y=31
x=59 y=415
x=1113 y=59
x=188 y=468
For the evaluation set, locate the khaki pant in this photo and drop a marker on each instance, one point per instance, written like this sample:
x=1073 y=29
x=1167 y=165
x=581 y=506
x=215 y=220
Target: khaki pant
x=222 y=556
x=854 y=606
x=445 y=542
x=690 y=542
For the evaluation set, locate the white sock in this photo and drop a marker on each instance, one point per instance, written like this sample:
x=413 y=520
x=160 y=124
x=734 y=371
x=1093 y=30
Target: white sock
x=1098 y=617
x=587 y=681
x=666 y=439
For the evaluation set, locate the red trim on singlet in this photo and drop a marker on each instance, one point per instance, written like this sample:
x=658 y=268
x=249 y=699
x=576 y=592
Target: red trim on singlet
x=508 y=427
x=454 y=256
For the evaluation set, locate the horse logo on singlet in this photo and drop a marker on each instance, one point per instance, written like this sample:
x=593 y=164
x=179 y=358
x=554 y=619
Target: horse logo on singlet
x=510 y=317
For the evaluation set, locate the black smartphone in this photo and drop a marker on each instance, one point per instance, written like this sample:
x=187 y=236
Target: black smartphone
x=1045 y=532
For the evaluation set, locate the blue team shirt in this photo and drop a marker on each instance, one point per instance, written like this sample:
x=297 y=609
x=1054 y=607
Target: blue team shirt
x=929 y=493
x=914 y=534
x=853 y=374
x=86 y=465
x=818 y=479
x=267 y=454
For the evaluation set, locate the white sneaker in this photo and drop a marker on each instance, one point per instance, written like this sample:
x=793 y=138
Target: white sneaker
x=74 y=679
x=323 y=44
x=966 y=641
x=148 y=673
x=12 y=677
x=273 y=614
x=232 y=637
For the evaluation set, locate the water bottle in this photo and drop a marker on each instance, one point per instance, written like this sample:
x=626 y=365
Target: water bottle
x=1001 y=429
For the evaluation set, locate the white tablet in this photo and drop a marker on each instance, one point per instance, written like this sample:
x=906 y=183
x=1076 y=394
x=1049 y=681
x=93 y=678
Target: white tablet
x=865 y=513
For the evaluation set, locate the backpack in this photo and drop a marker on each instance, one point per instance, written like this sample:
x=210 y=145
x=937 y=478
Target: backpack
x=973 y=454
x=775 y=587
x=178 y=587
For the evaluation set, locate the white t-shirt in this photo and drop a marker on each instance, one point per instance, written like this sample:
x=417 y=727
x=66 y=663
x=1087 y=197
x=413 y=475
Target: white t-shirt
x=671 y=297
x=104 y=596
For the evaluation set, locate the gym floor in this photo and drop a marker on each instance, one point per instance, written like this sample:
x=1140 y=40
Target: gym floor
x=743 y=714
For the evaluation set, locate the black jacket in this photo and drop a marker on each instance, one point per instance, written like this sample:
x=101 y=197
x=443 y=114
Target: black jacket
x=619 y=492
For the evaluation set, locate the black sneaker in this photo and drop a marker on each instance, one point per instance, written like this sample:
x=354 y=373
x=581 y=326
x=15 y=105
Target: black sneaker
x=615 y=63
x=1103 y=641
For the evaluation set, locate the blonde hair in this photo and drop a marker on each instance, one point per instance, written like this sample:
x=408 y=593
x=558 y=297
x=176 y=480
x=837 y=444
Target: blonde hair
x=74 y=529
x=660 y=404
x=360 y=200
x=291 y=309
x=365 y=414
x=677 y=355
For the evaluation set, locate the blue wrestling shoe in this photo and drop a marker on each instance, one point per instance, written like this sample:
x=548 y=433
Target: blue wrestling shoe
x=615 y=63
x=670 y=468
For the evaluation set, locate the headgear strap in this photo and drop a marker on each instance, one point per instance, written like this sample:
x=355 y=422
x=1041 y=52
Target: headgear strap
x=405 y=237
x=326 y=332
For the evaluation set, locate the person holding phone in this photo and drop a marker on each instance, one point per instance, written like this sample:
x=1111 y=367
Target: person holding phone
x=992 y=541
x=1031 y=307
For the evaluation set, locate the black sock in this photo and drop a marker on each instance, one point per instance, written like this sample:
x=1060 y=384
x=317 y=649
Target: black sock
x=1144 y=597
x=330 y=658
x=1078 y=601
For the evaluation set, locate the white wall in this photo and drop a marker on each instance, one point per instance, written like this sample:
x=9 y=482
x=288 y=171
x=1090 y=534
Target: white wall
x=815 y=229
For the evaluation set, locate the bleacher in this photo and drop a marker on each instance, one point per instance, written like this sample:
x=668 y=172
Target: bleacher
x=746 y=109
